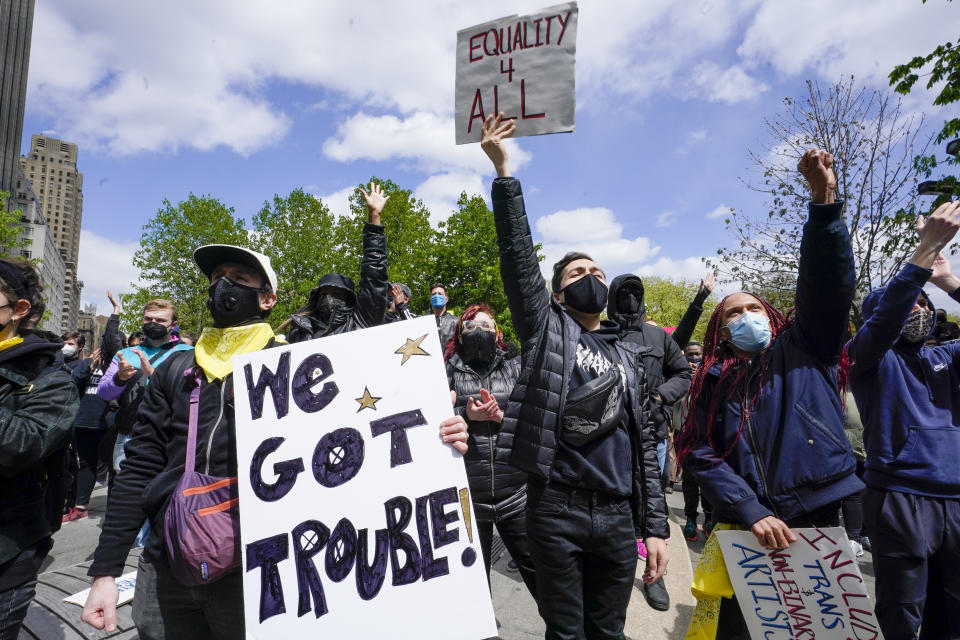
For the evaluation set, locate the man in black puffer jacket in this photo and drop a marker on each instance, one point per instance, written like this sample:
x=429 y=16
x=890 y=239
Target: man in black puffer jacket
x=578 y=424
x=479 y=371
x=335 y=306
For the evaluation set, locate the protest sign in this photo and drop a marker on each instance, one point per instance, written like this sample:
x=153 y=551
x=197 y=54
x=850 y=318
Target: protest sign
x=126 y=585
x=811 y=589
x=521 y=65
x=356 y=518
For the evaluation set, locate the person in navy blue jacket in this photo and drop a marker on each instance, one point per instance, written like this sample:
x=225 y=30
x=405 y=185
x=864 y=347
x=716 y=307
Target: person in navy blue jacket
x=908 y=398
x=764 y=437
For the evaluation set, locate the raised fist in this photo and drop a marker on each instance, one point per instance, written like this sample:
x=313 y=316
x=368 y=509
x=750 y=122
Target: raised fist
x=816 y=166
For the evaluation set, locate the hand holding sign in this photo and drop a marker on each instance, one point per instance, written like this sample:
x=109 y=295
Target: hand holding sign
x=773 y=533
x=494 y=132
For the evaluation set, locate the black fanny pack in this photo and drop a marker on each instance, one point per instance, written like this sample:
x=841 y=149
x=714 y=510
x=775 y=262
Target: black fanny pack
x=594 y=409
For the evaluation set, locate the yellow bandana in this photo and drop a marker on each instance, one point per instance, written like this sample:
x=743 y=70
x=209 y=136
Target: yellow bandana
x=216 y=347
x=10 y=342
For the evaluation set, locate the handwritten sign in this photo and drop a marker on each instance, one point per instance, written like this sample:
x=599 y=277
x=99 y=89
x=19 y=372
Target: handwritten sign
x=355 y=517
x=812 y=589
x=126 y=585
x=521 y=65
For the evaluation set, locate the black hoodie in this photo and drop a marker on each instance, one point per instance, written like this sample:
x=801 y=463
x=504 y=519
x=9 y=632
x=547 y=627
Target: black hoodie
x=667 y=371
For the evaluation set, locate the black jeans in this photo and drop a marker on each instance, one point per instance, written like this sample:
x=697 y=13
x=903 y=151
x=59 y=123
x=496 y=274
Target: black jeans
x=691 y=496
x=165 y=608
x=584 y=550
x=513 y=532
x=87 y=440
x=18 y=585
x=916 y=558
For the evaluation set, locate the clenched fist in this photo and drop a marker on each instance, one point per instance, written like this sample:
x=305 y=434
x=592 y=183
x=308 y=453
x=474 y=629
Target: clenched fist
x=816 y=166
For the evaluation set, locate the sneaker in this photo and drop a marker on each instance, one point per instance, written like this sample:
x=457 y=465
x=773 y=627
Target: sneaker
x=641 y=550
x=656 y=595
x=865 y=543
x=512 y=566
x=707 y=527
x=668 y=489
x=857 y=548
x=690 y=530
x=73 y=514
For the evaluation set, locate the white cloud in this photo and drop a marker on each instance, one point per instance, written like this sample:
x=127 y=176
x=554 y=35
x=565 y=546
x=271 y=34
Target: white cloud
x=690 y=269
x=667 y=219
x=424 y=140
x=721 y=211
x=441 y=192
x=339 y=201
x=730 y=85
x=105 y=265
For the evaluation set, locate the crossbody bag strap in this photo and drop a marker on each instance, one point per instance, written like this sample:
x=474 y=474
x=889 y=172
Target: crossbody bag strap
x=194 y=417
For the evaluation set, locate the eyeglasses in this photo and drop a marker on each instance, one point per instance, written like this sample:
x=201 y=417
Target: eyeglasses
x=473 y=325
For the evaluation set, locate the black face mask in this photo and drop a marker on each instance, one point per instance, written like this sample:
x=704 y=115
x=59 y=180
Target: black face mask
x=694 y=359
x=587 y=295
x=155 y=331
x=478 y=346
x=628 y=302
x=328 y=305
x=231 y=303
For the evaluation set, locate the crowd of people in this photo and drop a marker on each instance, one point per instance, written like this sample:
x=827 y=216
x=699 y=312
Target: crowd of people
x=570 y=439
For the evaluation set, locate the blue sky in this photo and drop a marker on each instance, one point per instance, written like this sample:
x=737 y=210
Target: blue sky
x=242 y=100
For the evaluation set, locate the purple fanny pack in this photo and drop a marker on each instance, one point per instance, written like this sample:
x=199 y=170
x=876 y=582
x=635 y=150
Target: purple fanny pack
x=202 y=524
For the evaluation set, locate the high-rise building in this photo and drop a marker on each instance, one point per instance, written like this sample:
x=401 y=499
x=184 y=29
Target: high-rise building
x=51 y=168
x=38 y=244
x=90 y=327
x=16 y=26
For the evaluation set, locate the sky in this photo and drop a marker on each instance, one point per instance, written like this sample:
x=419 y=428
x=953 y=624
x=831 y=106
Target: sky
x=242 y=100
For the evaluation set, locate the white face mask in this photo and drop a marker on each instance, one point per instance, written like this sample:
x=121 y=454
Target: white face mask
x=68 y=350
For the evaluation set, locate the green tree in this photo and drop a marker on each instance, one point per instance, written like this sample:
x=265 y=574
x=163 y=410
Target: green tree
x=165 y=257
x=667 y=300
x=298 y=234
x=873 y=142
x=11 y=227
x=941 y=67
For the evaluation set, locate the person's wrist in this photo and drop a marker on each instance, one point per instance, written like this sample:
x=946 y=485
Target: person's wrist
x=823 y=195
x=948 y=283
x=503 y=170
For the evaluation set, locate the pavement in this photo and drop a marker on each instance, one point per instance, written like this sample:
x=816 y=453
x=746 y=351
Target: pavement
x=515 y=610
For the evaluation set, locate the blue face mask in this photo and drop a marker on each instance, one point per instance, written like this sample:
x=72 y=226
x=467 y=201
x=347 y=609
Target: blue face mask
x=750 y=332
x=438 y=300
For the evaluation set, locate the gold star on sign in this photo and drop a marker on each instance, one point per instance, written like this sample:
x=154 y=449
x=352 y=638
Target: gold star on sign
x=367 y=401
x=412 y=348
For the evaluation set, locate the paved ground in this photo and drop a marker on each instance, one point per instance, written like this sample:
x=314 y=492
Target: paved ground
x=515 y=609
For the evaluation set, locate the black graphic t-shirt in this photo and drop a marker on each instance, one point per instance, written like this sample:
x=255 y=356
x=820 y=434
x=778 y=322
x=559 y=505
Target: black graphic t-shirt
x=604 y=464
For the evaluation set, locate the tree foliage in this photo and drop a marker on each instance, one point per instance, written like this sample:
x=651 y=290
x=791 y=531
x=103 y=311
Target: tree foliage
x=873 y=141
x=10 y=228
x=667 y=300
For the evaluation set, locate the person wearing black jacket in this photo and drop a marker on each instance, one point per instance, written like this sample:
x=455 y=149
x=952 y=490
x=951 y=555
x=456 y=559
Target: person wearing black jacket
x=482 y=376
x=578 y=424
x=335 y=305
x=38 y=402
x=668 y=380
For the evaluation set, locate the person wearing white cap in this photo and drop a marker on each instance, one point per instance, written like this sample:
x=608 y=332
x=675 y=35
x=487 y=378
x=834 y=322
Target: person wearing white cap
x=242 y=293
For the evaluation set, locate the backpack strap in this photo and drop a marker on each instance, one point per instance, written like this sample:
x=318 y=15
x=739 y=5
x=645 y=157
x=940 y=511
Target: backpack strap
x=194 y=417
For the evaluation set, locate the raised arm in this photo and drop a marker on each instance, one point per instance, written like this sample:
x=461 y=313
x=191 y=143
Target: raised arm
x=826 y=277
x=882 y=329
x=374 y=285
x=684 y=330
x=111 y=332
x=522 y=281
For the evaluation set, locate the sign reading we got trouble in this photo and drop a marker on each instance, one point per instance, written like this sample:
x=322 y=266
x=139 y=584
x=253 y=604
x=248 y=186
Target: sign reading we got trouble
x=811 y=589
x=355 y=517
x=523 y=66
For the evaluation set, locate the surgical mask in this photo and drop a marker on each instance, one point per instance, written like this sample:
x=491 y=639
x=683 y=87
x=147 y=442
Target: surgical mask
x=328 y=305
x=231 y=303
x=478 y=346
x=438 y=300
x=918 y=325
x=68 y=350
x=587 y=295
x=154 y=330
x=750 y=332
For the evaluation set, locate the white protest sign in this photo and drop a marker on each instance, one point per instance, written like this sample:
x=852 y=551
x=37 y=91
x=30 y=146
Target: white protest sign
x=126 y=585
x=521 y=65
x=811 y=589
x=355 y=517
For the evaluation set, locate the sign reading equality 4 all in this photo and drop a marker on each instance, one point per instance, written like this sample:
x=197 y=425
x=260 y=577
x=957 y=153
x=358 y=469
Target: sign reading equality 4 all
x=523 y=66
x=355 y=517
x=811 y=589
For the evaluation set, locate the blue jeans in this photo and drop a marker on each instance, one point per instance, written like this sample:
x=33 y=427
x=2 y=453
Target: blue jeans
x=585 y=556
x=18 y=577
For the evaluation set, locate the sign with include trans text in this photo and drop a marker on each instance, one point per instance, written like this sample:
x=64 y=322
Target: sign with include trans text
x=523 y=66
x=355 y=517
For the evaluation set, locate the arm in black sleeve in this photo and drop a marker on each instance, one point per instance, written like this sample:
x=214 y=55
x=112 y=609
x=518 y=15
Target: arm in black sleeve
x=524 y=285
x=146 y=458
x=374 y=286
x=825 y=282
x=684 y=330
x=651 y=518
x=110 y=343
x=677 y=374
x=39 y=424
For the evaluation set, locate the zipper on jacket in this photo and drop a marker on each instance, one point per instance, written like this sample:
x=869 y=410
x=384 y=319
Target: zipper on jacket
x=223 y=389
x=484 y=383
x=757 y=458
